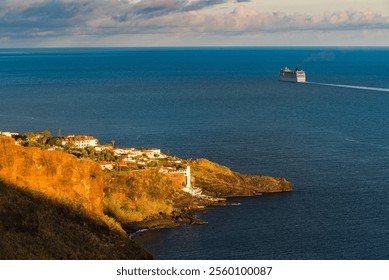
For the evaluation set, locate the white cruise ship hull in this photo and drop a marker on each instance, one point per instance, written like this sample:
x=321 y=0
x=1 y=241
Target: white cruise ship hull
x=293 y=80
x=296 y=76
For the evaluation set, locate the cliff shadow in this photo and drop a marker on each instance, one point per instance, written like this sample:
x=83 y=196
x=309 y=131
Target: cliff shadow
x=33 y=226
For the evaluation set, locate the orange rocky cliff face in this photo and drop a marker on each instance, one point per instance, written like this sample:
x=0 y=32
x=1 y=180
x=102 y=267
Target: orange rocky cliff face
x=58 y=175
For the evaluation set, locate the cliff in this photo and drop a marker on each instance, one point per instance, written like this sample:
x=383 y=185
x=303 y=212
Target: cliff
x=58 y=175
x=220 y=181
x=51 y=207
x=35 y=227
x=69 y=205
x=133 y=196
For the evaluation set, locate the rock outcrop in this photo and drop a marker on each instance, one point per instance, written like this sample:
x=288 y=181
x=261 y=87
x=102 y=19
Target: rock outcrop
x=220 y=181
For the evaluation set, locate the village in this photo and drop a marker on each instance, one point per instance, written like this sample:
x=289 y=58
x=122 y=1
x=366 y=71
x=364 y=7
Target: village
x=108 y=156
x=112 y=158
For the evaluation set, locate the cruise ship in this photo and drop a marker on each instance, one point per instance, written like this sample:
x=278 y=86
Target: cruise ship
x=296 y=76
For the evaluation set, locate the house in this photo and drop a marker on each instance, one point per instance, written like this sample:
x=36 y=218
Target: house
x=121 y=164
x=8 y=134
x=80 y=141
x=154 y=153
x=166 y=170
x=120 y=151
x=128 y=159
x=131 y=152
x=106 y=165
x=100 y=148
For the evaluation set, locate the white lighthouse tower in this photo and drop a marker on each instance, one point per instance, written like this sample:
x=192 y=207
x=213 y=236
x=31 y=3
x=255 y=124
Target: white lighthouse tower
x=187 y=174
x=188 y=188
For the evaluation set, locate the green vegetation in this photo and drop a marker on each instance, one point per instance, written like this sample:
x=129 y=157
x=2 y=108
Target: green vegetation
x=42 y=140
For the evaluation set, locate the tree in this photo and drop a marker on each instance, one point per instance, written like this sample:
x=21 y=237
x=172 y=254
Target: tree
x=91 y=152
x=113 y=142
x=30 y=136
x=54 y=141
x=45 y=136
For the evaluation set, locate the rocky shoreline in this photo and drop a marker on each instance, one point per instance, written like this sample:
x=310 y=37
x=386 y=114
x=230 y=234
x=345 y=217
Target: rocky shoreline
x=218 y=183
x=176 y=219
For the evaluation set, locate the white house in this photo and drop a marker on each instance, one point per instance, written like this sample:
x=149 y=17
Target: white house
x=80 y=141
x=103 y=148
x=8 y=134
x=154 y=153
x=135 y=153
x=106 y=165
x=120 y=151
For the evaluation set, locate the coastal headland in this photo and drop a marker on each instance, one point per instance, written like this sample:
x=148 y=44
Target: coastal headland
x=84 y=198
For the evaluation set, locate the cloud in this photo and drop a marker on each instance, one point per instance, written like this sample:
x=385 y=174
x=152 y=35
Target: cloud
x=153 y=8
x=99 y=18
x=146 y=9
x=243 y=19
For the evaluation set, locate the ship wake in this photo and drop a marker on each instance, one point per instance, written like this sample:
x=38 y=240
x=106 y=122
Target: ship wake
x=350 y=86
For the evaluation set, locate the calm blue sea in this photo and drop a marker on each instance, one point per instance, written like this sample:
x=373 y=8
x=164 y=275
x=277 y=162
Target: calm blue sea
x=226 y=104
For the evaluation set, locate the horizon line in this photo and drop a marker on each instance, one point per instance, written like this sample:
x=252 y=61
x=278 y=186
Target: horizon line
x=194 y=47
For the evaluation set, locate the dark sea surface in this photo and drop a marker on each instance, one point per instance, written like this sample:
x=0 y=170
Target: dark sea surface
x=227 y=105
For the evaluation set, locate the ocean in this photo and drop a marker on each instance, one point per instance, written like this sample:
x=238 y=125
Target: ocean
x=329 y=137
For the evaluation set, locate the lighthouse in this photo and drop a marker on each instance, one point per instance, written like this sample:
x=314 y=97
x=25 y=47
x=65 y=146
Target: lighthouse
x=187 y=174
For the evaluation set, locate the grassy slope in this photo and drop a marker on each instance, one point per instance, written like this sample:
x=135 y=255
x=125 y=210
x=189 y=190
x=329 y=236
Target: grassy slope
x=34 y=227
x=145 y=196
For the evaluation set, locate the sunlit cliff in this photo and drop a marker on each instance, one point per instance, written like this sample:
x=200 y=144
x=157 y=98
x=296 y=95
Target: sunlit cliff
x=51 y=197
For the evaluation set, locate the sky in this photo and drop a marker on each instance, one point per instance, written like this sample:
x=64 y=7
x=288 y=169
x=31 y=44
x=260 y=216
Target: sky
x=138 y=23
